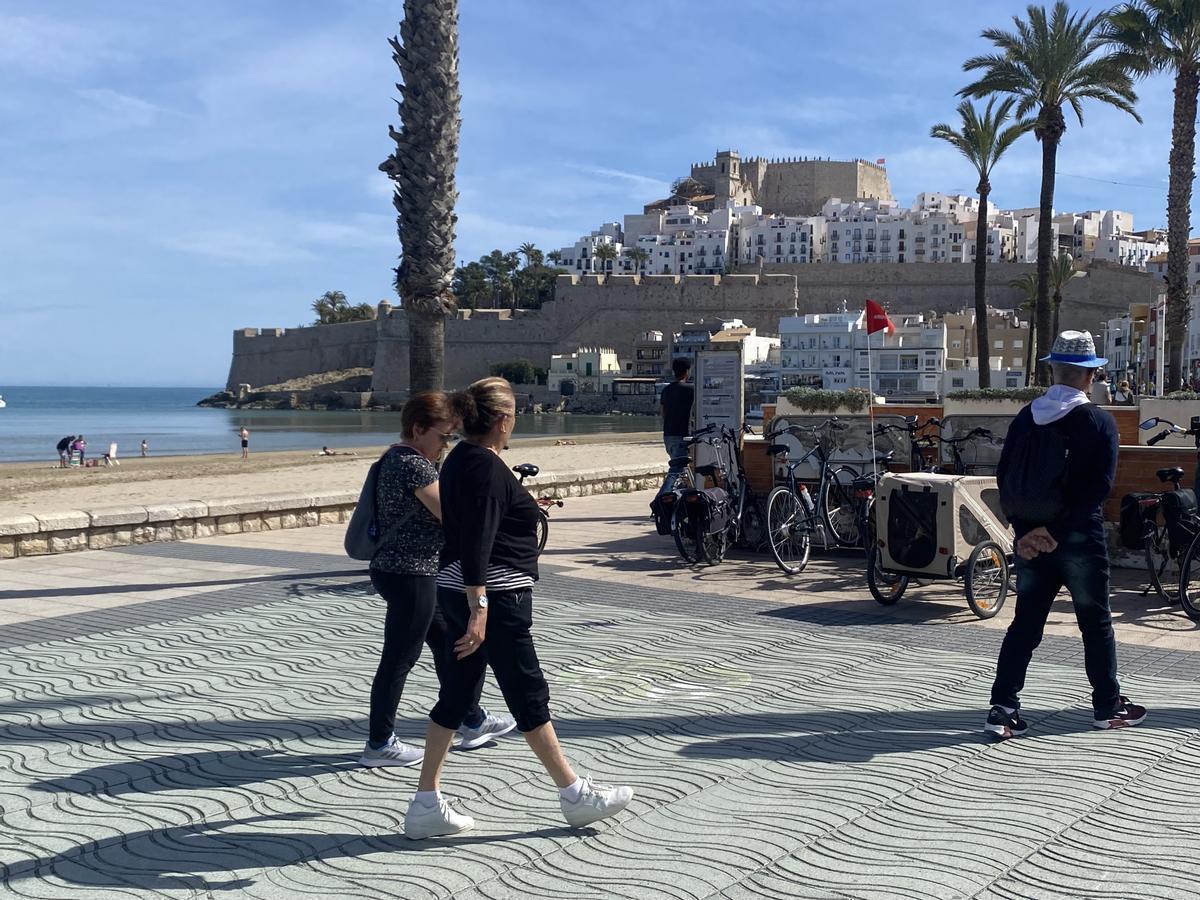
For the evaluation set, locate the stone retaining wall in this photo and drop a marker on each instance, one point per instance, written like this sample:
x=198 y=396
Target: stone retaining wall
x=121 y=526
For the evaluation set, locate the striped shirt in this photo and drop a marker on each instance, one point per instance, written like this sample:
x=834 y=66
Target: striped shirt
x=499 y=578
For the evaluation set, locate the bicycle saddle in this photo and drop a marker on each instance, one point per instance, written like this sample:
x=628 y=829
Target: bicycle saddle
x=1172 y=475
x=776 y=449
x=708 y=471
x=526 y=470
x=885 y=457
x=679 y=463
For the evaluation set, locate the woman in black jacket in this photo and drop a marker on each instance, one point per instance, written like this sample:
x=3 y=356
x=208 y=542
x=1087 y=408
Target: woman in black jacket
x=485 y=591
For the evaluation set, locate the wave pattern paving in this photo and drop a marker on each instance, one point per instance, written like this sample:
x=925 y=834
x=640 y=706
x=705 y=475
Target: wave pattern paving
x=771 y=759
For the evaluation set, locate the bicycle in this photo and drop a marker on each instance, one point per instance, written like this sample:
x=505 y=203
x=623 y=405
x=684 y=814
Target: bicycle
x=545 y=504
x=1181 y=524
x=792 y=515
x=708 y=521
x=961 y=467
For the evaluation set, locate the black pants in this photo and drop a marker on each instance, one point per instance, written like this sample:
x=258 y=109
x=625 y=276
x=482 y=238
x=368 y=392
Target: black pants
x=413 y=618
x=507 y=648
x=1081 y=565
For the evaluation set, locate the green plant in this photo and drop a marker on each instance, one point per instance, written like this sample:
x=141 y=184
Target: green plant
x=518 y=371
x=814 y=400
x=1024 y=394
x=1182 y=395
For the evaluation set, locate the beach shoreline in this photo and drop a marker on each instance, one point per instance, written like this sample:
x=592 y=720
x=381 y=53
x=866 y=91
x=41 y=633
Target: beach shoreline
x=39 y=487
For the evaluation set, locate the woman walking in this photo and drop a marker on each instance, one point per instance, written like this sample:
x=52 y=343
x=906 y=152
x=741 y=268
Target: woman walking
x=485 y=590
x=404 y=573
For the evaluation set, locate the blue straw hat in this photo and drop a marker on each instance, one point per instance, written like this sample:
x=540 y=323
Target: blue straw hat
x=1075 y=348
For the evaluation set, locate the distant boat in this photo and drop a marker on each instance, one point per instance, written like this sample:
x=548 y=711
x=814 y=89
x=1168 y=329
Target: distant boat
x=2 y=403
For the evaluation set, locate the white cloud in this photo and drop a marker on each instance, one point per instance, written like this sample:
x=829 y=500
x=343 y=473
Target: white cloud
x=643 y=185
x=123 y=109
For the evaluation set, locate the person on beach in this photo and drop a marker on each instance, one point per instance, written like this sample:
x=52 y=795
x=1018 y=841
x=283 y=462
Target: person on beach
x=64 y=451
x=485 y=590
x=677 y=400
x=404 y=573
x=245 y=435
x=1055 y=472
x=145 y=448
x=79 y=445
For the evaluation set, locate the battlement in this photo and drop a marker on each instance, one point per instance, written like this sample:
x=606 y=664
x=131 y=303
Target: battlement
x=785 y=160
x=772 y=280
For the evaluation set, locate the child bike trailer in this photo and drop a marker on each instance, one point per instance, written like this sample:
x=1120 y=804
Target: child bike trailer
x=940 y=527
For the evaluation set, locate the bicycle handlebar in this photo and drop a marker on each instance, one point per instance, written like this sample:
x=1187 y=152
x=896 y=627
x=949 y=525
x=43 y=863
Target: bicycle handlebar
x=1158 y=437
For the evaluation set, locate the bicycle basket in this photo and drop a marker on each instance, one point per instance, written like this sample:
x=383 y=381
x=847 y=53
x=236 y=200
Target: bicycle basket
x=708 y=509
x=1135 y=513
x=663 y=509
x=1179 y=512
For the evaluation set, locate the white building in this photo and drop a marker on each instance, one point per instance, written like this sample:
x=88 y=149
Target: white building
x=589 y=370
x=581 y=258
x=817 y=350
x=757 y=350
x=907 y=364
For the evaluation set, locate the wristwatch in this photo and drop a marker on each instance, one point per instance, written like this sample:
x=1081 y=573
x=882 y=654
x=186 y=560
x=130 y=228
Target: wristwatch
x=481 y=602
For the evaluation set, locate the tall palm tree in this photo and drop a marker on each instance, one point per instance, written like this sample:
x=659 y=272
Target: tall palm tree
x=422 y=168
x=982 y=139
x=1050 y=61
x=1164 y=35
x=1027 y=284
x=555 y=256
x=606 y=253
x=529 y=251
x=639 y=256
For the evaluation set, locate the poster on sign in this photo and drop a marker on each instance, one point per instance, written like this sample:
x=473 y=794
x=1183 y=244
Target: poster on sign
x=719 y=395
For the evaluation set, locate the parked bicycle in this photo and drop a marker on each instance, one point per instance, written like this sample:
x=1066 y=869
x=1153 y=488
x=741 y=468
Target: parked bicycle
x=794 y=517
x=961 y=466
x=545 y=504
x=1179 y=535
x=709 y=520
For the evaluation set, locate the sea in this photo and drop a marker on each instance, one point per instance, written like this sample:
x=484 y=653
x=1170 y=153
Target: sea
x=36 y=418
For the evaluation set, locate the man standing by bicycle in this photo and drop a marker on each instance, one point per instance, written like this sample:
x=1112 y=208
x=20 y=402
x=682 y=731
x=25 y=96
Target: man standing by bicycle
x=1054 y=474
x=677 y=400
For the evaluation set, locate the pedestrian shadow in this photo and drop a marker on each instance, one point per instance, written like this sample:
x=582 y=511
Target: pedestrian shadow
x=200 y=770
x=96 y=590
x=194 y=857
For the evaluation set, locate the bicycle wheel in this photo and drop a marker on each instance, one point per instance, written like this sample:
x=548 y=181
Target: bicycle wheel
x=787 y=531
x=986 y=579
x=841 y=509
x=543 y=529
x=684 y=531
x=1157 y=558
x=753 y=533
x=1189 y=580
x=886 y=587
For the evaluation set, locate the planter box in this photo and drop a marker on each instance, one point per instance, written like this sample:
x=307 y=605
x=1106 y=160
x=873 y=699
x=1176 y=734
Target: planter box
x=784 y=407
x=981 y=407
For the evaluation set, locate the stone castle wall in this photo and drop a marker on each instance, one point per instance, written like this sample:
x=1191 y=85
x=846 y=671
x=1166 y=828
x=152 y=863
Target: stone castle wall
x=796 y=187
x=271 y=355
x=613 y=311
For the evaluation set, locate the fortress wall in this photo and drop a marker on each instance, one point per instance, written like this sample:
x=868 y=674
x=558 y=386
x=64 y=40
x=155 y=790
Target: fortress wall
x=1103 y=292
x=272 y=355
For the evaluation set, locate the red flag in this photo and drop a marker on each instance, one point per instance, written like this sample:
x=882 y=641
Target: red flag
x=877 y=319
x=881 y=161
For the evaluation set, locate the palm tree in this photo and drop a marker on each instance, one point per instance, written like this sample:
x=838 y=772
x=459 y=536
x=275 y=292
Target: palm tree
x=1062 y=270
x=606 y=253
x=1027 y=284
x=422 y=168
x=982 y=140
x=1048 y=62
x=555 y=256
x=530 y=253
x=639 y=257
x=1154 y=36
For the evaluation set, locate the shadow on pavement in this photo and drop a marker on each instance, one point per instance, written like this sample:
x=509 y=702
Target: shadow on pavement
x=99 y=589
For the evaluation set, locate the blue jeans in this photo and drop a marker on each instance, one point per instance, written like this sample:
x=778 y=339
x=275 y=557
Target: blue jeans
x=676 y=449
x=1080 y=563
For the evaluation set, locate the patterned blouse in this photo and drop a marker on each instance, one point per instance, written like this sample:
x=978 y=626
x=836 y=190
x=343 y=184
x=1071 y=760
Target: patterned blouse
x=415 y=549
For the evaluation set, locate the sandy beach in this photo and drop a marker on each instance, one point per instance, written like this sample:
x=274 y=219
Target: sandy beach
x=43 y=487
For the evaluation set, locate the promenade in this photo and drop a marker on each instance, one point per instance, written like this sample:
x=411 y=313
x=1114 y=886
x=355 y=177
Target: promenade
x=183 y=720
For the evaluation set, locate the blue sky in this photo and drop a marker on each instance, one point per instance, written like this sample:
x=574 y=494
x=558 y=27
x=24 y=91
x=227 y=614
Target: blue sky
x=172 y=171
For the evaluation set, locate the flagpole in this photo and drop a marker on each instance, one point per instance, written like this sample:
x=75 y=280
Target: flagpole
x=871 y=397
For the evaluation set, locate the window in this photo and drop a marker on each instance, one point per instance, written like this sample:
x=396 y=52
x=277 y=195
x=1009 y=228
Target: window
x=1017 y=363
x=570 y=366
x=956 y=382
x=1019 y=343
x=956 y=345
x=997 y=345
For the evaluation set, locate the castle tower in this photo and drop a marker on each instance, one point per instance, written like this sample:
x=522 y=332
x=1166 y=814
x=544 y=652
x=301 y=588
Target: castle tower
x=728 y=183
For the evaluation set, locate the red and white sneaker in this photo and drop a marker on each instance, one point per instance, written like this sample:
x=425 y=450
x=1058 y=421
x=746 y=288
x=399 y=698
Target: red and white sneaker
x=1127 y=715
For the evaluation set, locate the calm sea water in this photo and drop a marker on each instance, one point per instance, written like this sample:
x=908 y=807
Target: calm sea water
x=36 y=418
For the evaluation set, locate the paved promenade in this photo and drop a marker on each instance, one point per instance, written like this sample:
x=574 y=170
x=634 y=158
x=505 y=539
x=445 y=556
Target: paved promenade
x=183 y=720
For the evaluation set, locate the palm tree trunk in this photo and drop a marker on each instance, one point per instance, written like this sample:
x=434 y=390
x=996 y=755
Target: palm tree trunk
x=1029 y=352
x=426 y=351
x=1057 y=304
x=1050 y=131
x=981 y=324
x=1179 y=209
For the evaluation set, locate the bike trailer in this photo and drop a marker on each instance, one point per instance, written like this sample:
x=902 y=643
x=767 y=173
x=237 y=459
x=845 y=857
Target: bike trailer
x=927 y=525
x=708 y=510
x=1136 y=510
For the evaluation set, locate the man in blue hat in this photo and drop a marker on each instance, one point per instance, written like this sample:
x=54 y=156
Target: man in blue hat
x=1054 y=474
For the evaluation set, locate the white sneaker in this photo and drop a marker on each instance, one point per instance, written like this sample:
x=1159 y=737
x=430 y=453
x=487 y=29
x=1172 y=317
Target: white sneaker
x=490 y=727
x=422 y=821
x=393 y=753
x=595 y=803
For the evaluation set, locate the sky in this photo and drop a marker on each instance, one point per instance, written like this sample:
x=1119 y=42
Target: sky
x=173 y=171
